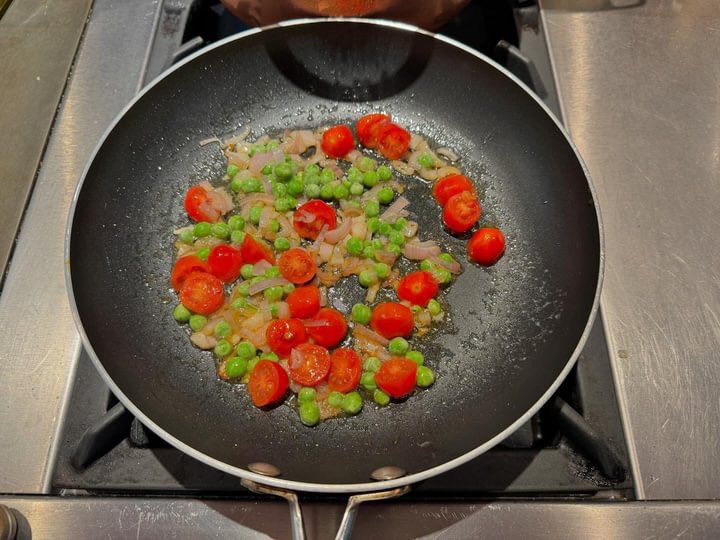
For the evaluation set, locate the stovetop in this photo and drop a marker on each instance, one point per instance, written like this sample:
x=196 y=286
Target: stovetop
x=573 y=448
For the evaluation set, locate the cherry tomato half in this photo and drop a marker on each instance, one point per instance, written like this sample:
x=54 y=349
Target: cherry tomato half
x=185 y=266
x=449 y=185
x=328 y=327
x=486 y=246
x=391 y=319
x=364 y=128
x=309 y=364
x=297 y=265
x=304 y=302
x=268 y=383
x=253 y=251
x=393 y=140
x=284 y=334
x=461 y=212
x=345 y=370
x=198 y=205
x=418 y=288
x=202 y=293
x=337 y=141
x=310 y=218
x=225 y=262
x=397 y=377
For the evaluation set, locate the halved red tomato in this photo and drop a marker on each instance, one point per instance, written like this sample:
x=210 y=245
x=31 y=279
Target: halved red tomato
x=392 y=140
x=449 y=185
x=202 y=293
x=364 y=128
x=345 y=370
x=297 y=265
x=198 y=205
x=337 y=141
x=327 y=328
x=304 y=302
x=253 y=251
x=225 y=262
x=391 y=319
x=461 y=212
x=309 y=364
x=284 y=334
x=268 y=383
x=418 y=288
x=185 y=266
x=311 y=217
x=397 y=377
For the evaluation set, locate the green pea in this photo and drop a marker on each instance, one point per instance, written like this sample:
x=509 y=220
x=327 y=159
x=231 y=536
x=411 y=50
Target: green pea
x=181 y=313
x=197 y=322
x=356 y=189
x=446 y=257
x=237 y=237
x=415 y=308
x=282 y=244
x=236 y=367
x=442 y=275
x=312 y=169
x=361 y=313
x=252 y=185
x=367 y=381
x=368 y=252
x=327 y=176
x=382 y=270
x=222 y=348
x=327 y=192
x=312 y=191
x=425 y=376
x=372 y=208
x=384 y=173
x=288 y=288
x=370 y=178
x=373 y=224
x=267 y=169
x=311 y=179
x=354 y=175
x=399 y=224
x=283 y=171
x=241 y=303
x=285 y=204
x=398 y=346
x=256 y=279
x=252 y=363
x=434 y=307
x=269 y=355
x=222 y=329
x=306 y=394
x=274 y=311
x=372 y=364
x=187 y=236
x=335 y=398
x=368 y=278
x=202 y=229
x=426 y=264
x=295 y=187
x=381 y=398
x=236 y=185
x=245 y=350
x=272 y=272
x=426 y=160
x=365 y=163
x=352 y=403
x=254 y=214
x=385 y=195
x=273 y=294
x=396 y=237
x=278 y=189
x=354 y=246
x=309 y=413
x=243 y=289
x=384 y=228
x=232 y=169
x=272 y=145
x=416 y=356
x=203 y=253
x=341 y=192
x=274 y=225
x=394 y=249
x=376 y=243
x=236 y=223
x=221 y=230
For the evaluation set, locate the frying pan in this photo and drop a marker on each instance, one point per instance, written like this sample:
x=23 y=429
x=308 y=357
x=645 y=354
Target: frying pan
x=513 y=330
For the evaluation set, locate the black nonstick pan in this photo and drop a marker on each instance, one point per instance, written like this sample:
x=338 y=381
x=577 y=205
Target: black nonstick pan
x=514 y=330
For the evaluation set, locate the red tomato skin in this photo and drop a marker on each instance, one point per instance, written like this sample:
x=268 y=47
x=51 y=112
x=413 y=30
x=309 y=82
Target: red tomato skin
x=486 y=246
x=202 y=293
x=393 y=140
x=337 y=141
x=253 y=251
x=314 y=366
x=345 y=370
x=304 y=302
x=268 y=383
x=365 y=125
x=324 y=215
x=284 y=334
x=461 y=212
x=185 y=266
x=397 y=377
x=225 y=262
x=391 y=319
x=450 y=185
x=418 y=288
x=297 y=265
x=331 y=334
x=198 y=207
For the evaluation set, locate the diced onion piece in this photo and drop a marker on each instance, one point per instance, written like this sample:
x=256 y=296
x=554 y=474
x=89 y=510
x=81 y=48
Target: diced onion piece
x=266 y=284
x=283 y=310
x=316 y=323
x=325 y=252
x=454 y=266
x=393 y=211
x=417 y=251
x=323 y=296
x=260 y=267
x=363 y=332
x=338 y=233
x=203 y=341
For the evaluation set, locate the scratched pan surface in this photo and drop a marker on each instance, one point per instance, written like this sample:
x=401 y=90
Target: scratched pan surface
x=513 y=332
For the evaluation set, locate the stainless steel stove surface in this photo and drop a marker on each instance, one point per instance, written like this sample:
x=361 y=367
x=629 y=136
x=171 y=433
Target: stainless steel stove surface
x=76 y=464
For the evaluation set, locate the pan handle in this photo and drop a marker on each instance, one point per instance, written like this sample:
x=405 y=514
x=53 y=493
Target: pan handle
x=348 y=519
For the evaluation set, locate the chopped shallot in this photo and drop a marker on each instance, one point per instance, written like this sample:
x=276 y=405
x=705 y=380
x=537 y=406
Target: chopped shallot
x=260 y=267
x=323 y=296
x=340 y=232
x=417 y=251
x=454 y=266
x=266 y=284
x=393 y=211
x=362 y=331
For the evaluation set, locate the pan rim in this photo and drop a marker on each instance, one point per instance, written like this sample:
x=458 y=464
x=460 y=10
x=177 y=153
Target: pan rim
x=314 y=486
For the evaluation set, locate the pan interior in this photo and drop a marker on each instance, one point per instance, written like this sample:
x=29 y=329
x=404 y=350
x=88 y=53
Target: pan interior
x=512 y=328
